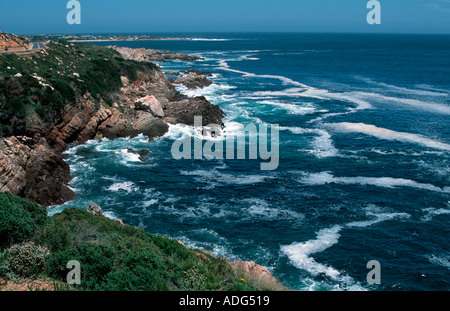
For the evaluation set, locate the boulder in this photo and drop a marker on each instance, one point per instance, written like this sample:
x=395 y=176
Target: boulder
x=184 y=110
x=150 y=104
x=94 y=209
x=198 y=72
x=119 y=221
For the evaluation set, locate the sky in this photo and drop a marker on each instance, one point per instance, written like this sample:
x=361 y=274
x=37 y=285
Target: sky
x=155 y=16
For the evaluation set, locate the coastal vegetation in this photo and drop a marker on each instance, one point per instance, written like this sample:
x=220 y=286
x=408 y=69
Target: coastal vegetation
x=34 y=90
x=112 y=256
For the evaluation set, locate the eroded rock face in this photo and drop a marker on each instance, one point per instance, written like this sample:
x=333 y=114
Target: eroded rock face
x=13 y=158
x=37 y=173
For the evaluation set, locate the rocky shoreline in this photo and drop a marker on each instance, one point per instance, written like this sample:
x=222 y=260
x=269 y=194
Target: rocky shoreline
x=33 y=166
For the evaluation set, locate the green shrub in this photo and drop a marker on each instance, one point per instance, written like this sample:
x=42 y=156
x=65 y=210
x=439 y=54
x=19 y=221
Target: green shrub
x=193 y=279
x=96 y=262
x=19 y=219
x=26 y=259
x=55 y=235
x=17 y=105
x=112 y=256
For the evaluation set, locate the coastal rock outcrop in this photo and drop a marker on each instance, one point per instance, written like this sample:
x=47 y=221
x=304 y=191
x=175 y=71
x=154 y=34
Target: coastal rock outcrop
x=194 y=80
x=148 y=55
x=94 y=209
x=13 y=158
x=184 y=111
x=35 y=172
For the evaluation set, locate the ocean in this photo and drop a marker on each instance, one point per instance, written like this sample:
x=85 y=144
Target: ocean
x=363 y=174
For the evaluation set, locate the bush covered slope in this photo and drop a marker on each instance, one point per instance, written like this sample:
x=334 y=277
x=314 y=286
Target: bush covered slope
x=112 y=256
x=34 y=90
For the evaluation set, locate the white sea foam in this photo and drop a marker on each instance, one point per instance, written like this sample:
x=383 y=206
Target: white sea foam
x=440 y=260
x=426 y=106
x=218 y=247
x=126 y=186
x=110 y=215
x=290 y=107
x=431 y=212
x=376 y=218
x=387 y=134
x=363 y=100
x=127 y=157
x=223 y=65
x=300 y=253
x=311 y=92
x=207 y=39
x=208 y=91
x=323 y=178
x=322 y=144
x=215 y=178
x=262 y=209
x=404 y=90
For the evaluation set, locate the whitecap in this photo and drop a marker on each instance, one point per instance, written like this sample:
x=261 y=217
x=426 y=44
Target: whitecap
x=209 y=92
x=387 y=134
x=323 y=178
x=431 y=212
x=126 y=186
x=322 y=144
x=291 y=108
x=207 y=39
x=110 y=215
x=300 y=253
x=439 y=260
x=223 y=65
x=128 y=157
x=405 y=90
x=262 y=209
x=214 y=177
x=376 y=218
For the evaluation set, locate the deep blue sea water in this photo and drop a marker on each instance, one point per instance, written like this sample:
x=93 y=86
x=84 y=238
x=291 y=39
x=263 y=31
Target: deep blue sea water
x=364 y=170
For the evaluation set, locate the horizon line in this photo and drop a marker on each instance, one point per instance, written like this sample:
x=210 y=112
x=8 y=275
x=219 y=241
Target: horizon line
x=231 y=32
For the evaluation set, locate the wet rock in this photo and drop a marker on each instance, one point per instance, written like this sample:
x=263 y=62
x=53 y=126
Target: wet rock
x=144 y=152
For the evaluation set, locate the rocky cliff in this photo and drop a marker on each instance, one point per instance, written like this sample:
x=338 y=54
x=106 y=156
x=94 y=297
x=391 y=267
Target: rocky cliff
x=31 y=164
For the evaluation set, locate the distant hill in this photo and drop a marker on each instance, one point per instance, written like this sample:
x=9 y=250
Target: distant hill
x=12 y=42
